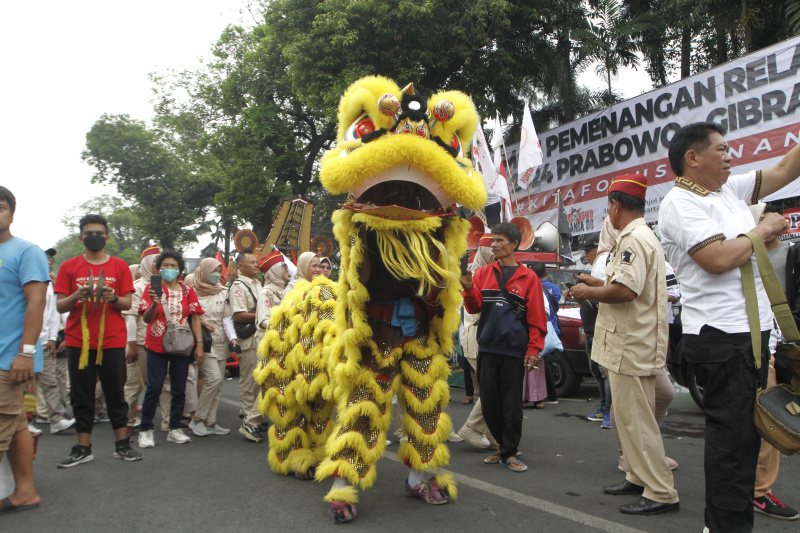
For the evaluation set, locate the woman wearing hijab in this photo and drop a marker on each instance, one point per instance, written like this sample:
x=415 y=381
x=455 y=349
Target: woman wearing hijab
x=325 y=266
x=134 y=353
x=213 y=299
x=276 y=275
x=307 y=268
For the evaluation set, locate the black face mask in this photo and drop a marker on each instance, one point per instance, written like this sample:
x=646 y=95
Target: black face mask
x=94 y=242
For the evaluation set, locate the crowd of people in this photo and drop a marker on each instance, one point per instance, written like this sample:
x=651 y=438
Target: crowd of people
x=107 y=335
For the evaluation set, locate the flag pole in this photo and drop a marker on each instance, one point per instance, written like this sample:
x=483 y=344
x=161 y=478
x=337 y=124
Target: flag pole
x=508 y=171
x=558 y=216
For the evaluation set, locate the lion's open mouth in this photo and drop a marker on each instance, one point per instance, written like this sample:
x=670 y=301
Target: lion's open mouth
x=402 y=194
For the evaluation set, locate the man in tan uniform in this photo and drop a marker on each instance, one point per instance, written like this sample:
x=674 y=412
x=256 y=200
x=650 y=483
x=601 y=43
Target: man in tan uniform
x=243 y=297
x=630 y=342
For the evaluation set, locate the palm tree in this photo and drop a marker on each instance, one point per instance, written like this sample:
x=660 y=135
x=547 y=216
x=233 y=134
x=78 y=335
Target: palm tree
x=613 y=39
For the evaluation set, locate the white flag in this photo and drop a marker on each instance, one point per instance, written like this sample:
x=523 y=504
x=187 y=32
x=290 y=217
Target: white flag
x=480 y=155
x=530 y=151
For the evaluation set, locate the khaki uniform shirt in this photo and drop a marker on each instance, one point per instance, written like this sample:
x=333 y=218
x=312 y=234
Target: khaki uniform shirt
x=242 y=301
x=631 y=338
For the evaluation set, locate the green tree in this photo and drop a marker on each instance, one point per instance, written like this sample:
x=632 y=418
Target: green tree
x=613 y=40
x=170 y=197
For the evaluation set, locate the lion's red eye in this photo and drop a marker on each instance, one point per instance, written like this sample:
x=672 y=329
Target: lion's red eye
x=364 y=127
x=454 y=142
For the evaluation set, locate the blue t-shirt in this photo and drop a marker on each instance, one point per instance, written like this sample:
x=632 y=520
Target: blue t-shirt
x=21 y=262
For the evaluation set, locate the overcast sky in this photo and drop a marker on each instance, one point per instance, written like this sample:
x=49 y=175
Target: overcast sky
x=67 y=63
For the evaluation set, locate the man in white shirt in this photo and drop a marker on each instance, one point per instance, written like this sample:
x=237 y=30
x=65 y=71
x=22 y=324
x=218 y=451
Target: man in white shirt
x=701 y=220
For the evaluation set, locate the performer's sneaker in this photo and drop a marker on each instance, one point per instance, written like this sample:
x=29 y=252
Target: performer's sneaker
x=178 y=437
x=80 y=454
x=428 y=491
x=341 y=512
x=214 y=429
x=251 y=433
x=770 y=505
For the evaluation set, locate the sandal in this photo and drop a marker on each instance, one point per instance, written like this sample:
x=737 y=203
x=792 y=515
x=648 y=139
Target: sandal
x=341 y=512
x=468 y=400
x=493 y=459
x=515 y=465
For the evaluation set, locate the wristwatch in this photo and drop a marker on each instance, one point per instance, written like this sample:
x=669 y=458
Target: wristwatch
x=114 y=300
x=28 y=350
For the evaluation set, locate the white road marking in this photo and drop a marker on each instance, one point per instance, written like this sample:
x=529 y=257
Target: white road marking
x=538 y=504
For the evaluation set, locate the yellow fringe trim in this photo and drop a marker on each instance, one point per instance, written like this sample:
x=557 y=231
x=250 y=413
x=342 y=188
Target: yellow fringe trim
x=83 y=362
x=446 y=481
x=346 y=494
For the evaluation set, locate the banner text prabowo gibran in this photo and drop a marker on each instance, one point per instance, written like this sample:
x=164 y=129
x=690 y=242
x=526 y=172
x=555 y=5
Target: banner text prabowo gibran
x=756 y=99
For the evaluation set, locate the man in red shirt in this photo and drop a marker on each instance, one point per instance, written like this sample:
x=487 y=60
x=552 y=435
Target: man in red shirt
x=96 y=337
x=510 y=336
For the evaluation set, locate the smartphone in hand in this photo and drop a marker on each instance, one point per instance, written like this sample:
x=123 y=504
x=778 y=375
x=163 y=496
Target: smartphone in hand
x=155 y=283
x=464 y=264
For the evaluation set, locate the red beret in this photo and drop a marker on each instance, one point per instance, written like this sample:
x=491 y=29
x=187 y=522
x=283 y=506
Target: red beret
x=632 y=184
x=270 y=260
x=152 y=250
x=486 y=240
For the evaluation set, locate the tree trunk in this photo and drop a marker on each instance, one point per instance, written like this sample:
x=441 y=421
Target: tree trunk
x=563 y=48
x=686 y=52
x=722 y=41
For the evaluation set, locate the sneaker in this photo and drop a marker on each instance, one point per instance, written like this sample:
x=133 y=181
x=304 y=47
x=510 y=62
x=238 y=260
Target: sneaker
x=263 y=427
x=455 y=437
x=474 y=438
x=551 y=402
x=80 y=454
x=214 y=429
x=198 y=428
x=146 y=439
x=61 y=425
x=123 y=450
x=41 y=420
x=250 y=433
x=178 y=436
x=102 y=417
x=35 y=432
x=429 y=492
x=770 y=505
x=597 y=417
x=606 y=421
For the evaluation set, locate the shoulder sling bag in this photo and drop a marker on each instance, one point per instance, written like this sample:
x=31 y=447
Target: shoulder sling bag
x=517 y=308
x=178 y=339
x=245 y=330
x=777 y=409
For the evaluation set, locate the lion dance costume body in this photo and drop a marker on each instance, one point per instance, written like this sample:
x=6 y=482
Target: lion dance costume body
x=346 y=348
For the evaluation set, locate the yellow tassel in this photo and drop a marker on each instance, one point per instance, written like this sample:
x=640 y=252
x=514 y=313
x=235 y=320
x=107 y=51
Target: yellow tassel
x=83 y=362
x=101 y=335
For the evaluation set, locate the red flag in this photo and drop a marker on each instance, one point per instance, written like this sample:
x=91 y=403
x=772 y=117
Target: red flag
x=224 y=268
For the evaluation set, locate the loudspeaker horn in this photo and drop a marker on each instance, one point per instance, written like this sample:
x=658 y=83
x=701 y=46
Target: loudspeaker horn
x=526 y=228
x=547 y=237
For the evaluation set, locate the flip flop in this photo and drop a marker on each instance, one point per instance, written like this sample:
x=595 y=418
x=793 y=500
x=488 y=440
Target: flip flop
x=490 y=461
x=467 y=401
x=510 y=465
x=7 y=507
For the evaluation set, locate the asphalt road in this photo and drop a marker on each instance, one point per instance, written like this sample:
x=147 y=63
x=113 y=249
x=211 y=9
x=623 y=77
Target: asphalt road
x=223 y=483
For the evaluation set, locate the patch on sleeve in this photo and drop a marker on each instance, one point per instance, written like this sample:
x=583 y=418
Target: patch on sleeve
x=699 y=246
x=237 y=293
x=628 y=256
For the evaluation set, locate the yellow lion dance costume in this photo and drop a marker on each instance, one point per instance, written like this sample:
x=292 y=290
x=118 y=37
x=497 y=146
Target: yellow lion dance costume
x=386 y=326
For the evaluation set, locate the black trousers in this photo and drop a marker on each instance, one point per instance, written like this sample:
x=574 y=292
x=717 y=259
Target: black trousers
x=112 y=374
x=725 y=368
x=469 y=388
x=500 y=378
